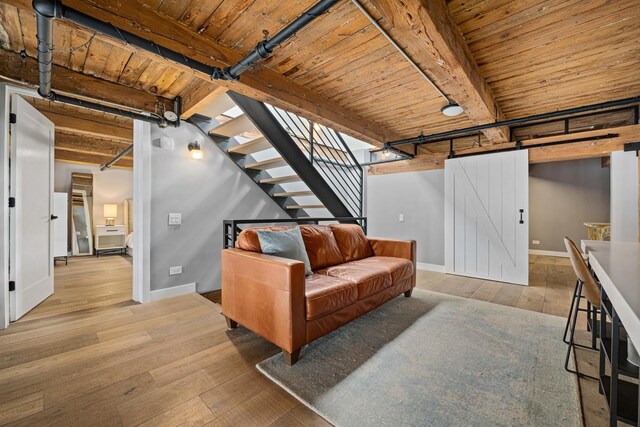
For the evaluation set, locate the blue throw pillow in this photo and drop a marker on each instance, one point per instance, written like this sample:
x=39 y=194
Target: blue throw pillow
x=285 y=244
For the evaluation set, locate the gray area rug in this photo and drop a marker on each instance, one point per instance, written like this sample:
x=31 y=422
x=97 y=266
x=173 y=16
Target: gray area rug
x=437 y=360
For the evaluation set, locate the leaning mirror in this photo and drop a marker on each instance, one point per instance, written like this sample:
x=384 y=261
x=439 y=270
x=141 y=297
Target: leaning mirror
x=81 y=213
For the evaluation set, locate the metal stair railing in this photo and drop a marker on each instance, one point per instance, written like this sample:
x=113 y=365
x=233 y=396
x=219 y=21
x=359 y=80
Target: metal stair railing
x=323 y=146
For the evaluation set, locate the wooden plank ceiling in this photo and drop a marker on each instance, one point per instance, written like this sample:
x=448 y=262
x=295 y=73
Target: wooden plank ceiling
x=87 y=136
x=524 y=56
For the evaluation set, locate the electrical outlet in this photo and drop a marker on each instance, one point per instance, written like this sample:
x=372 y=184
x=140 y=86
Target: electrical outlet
x=401 y=217
x=175 y=218
x=175 y=270
x=535 y=242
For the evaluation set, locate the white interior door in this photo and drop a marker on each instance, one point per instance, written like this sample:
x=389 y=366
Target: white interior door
x=31 y=231
x=487 y=216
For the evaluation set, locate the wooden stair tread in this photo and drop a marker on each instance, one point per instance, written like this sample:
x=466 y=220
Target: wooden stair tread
x=253 y=146
x=305 y=207
x=234 y=127
x=280 y=180
x=217 y=106
x=294 y=194
x=276 y=162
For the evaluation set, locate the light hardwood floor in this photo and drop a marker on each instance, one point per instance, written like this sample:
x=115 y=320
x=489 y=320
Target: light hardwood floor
x=173 y=361
x=87 y=282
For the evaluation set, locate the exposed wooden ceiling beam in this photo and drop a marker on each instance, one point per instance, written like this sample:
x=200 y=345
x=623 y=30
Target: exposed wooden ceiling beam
x=259 y=83
x=551 y=153
x=66 y=80
x=88 y=145
x=70 y=124
x=433 y=40
x=91 y=159
x=74 y=120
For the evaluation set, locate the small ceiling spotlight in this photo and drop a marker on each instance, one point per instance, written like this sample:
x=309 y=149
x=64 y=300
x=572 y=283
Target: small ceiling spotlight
x=451 y=110
x=196 y=152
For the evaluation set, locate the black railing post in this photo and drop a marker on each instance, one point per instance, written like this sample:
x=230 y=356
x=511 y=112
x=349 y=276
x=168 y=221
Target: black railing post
x=311 y=141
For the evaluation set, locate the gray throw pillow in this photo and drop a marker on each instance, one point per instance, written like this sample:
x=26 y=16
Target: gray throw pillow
x=285 y=244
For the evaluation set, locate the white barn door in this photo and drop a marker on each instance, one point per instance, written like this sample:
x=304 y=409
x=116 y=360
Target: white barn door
x=487 y=216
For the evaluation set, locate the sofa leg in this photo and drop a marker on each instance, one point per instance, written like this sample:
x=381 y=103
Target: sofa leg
x=231 y=324
x=291 y=358
x=408 y=293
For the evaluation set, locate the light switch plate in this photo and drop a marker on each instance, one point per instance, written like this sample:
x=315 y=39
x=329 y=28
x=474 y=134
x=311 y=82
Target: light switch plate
x=175 y=218
x=175 y=270
x=401 y=217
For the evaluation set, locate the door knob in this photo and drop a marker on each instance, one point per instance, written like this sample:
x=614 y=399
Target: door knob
x=54 y=217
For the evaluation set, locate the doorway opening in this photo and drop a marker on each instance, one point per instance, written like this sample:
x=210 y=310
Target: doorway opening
x=86 y=219
x=92 y=210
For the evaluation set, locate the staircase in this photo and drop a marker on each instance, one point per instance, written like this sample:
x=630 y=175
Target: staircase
x=305 y=168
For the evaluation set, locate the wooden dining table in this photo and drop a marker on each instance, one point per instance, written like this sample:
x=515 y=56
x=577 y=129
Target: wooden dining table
x=617 y=266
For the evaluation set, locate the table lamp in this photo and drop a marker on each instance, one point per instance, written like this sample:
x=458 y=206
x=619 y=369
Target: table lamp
x=110 y=214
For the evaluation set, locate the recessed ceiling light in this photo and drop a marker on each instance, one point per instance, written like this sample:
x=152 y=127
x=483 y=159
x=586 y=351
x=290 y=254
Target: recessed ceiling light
x=451 y=110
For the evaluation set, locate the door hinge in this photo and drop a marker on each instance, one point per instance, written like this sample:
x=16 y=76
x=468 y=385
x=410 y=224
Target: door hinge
x=12 y=286
x=12 y=118
x=12 y=202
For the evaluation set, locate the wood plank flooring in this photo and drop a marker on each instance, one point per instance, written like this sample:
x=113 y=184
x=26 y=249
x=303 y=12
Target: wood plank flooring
x=172 y=362
x=87 y=282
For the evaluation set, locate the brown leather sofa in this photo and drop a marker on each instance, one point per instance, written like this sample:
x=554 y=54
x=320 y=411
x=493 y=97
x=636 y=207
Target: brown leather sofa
x=353 y=274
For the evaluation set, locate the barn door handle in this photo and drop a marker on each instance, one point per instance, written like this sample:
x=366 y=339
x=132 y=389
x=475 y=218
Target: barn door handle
x=54 y=217
x=521 y=220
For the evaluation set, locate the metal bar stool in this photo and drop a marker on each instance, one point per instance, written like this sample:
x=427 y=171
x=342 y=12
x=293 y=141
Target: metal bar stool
x=587 y=283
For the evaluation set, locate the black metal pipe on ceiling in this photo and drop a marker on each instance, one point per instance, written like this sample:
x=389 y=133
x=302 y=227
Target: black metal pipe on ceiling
x=260 y=53
x=117 y=158
x=264 y=49
x=147 y=117
x=48 y=10
x=537 y=117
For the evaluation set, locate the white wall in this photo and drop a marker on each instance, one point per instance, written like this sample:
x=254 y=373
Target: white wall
x=562 y=197
x=205 y=192
x=109 y=186
x=419 y=196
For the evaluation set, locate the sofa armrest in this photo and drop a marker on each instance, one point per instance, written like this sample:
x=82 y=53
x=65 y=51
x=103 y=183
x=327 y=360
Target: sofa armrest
x=394 y=248
x=265 y=294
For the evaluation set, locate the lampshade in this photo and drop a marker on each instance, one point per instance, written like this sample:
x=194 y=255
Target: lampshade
x=110 y=211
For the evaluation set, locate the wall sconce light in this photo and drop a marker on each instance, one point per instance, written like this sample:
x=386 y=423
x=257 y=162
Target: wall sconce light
x=110 y=213
x=195 y=150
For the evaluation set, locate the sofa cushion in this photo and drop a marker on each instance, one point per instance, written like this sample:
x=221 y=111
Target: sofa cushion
x=285 y=244
x=352 y=241
x=399 y=268
x=325 y=295
x=248 y=238
x=370 y=279
x=321 y=245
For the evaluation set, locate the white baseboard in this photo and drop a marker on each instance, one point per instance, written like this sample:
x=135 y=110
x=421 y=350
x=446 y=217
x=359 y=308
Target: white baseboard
x=548 y=253
x=430 y=267
x=173 y=292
